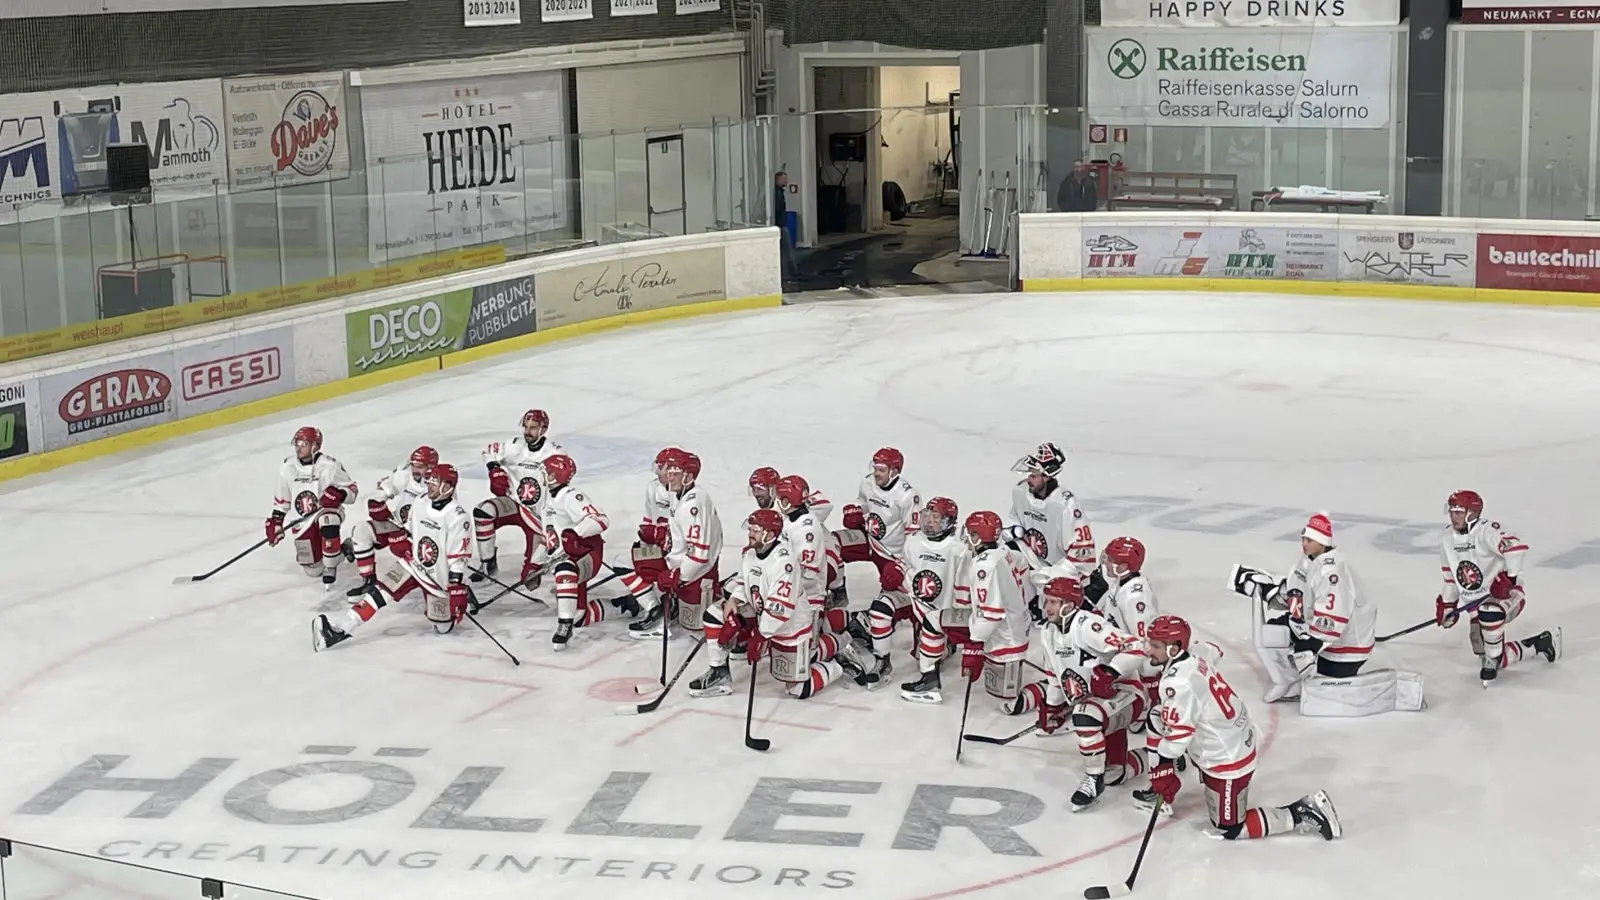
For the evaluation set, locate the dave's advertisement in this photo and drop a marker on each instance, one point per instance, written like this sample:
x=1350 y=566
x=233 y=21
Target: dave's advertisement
x=1539 y=262
x=286 y=130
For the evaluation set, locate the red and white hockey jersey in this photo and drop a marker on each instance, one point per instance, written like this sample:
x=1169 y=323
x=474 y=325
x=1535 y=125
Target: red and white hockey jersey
x=1205 y=719
x=399 y=489
x=695 y=534
x=804 y=536
x=525 y=466
x=1131 y=605
x=1333 y=607
x=1089 y=640
x=1055 y=528
x=938 y=571
x=441 y=543
x=893 y=514
x=769 y=583
x=300 y=485
x=1001 y=621
x=1473 y=560
x=658 y=502
x=570 y=509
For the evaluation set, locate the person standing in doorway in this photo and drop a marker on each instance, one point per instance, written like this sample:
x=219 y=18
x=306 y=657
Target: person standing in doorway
x=780 y=218
x=1079 y=191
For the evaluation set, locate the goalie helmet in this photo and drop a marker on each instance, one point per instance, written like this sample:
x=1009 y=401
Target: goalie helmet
x=1046 y=459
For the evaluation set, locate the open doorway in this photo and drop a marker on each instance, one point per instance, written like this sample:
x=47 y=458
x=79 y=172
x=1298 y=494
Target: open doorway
x=887 y=181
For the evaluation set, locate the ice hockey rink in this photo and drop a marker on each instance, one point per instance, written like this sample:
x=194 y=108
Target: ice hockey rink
x=192 y=728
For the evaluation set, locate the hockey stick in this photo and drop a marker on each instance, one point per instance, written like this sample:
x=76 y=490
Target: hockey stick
x=760 y=745
x=651 y=705
x=190 y=579
x=1105 y=891
x=514 y=660
x=1001 y=741
x=1421 y=625
x=966 y=705
x=509 y=588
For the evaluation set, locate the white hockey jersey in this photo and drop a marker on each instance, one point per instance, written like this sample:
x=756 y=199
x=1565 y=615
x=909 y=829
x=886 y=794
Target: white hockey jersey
x=1055 y=528
x=1131 y=605
x=804 y=535
x=769 y=583
x=1089 y=640
x=525 y=465
x=1473 y=560
x=694 y=534
x=300 y=485
x=570 y=509
x=1205 y=719
x=893 y=514
x=938 y=571
x=1001 y=620
x=658 y=502
x=1333 y=606
x=399 y=489
x=441 y=543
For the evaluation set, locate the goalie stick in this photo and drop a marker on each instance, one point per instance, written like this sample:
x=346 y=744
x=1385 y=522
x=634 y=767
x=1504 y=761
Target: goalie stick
x=651 y=706
x=1106 y=891
x=190 y=579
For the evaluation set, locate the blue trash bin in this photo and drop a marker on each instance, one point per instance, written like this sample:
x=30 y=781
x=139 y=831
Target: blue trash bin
x=791 y=224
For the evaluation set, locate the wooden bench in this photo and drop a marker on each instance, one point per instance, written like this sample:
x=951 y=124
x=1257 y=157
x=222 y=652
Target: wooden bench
x=1173 y=190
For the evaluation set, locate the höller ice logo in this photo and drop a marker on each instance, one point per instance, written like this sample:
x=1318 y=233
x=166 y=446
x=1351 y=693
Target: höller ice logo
x=1128 y=59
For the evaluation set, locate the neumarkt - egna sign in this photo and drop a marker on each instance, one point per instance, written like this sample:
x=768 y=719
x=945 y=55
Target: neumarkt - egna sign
x=1331 y=78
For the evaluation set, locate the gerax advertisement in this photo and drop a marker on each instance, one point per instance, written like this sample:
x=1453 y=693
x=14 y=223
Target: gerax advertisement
x=1538 y=262
x=92 y=403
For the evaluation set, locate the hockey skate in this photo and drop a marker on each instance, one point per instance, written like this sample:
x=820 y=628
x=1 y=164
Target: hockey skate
x=485 y=570
x=869 y=670
x=330 y=576
x=1314 y=814
x=858 y=628
x=925 y=689
x=558 y=641
x=1145 y=799
x=716 y=682
x=1089 y=791
x=653 y=625
x=324 y=635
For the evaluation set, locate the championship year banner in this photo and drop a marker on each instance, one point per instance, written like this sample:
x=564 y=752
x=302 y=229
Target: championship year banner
x=1247 y=13
x=635 y=284
x=1327 y=78
x=286 y=130
x=464 y=162
x=52 y=143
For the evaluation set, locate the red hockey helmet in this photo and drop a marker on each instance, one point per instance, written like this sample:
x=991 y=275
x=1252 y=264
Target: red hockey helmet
x=1126 y=552
x=1068 y=590
x=310 y=435
x=768 y=521
x=444 y=473
x=1468 y=503
x=664 y=455
x=889 y=458
x=424 y=457
x=985 y=526
x=559 y=470
x=1169 y=629
x=690 y=464
x=940 y=510
x=765 y=478
x=537 y=417
x=792 y=491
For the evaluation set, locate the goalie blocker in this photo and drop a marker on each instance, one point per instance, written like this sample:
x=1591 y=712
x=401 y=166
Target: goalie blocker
x=1321 y=692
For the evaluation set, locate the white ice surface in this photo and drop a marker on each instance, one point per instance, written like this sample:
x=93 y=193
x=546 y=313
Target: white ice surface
x=1241 y=404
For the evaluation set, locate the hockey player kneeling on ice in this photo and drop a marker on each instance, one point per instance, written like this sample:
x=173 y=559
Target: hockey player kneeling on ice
x=997 y=641
x=516 y=483
x=938 y=560
x=1319 y=614
x=1093 y=682
x=574 y=529
x=648 y=553
x=876 y=530
x=687 y=579
x=317 y=488
x=1483 y=570
x=387 y=514
x=1205 y=720
x=763 y=487
x=770 y=581
x=432 y=555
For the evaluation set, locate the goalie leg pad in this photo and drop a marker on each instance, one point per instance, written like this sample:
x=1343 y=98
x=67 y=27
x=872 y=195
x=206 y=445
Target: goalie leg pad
x=853 y=545
x=695 y=598
x=1368 y=694
x=1002 y=678
x=790 y=663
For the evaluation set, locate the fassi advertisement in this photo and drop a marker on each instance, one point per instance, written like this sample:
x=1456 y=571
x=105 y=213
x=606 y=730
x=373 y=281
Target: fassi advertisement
x=1538 y=262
